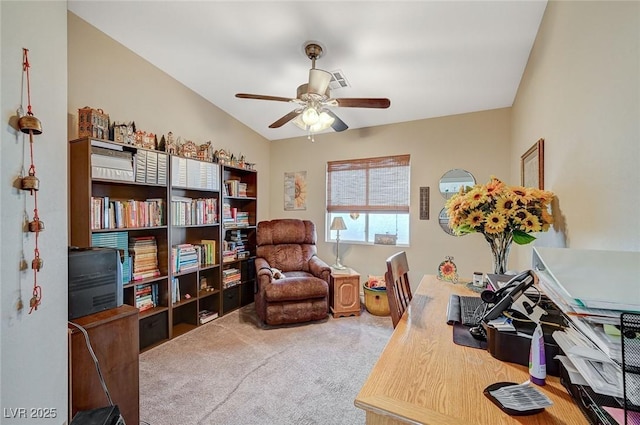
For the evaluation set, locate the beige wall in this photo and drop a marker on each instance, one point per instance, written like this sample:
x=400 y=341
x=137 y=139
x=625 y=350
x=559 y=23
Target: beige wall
x=581 y=93
x=478 y=143
x=104 y=74
x=578 y=92
x=33 y=354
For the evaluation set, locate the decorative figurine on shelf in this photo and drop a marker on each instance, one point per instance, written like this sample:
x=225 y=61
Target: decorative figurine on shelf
x=170 y=146
x=149 y=141
x=138 y=139
x=130 y=138
x=119 y=133
x=448 y=271
x=221 y=156
x=189 y=149
x=205 y=152
x=242 y=162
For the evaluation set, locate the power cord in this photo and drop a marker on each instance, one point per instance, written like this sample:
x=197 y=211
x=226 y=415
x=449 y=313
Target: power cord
x=95 y=361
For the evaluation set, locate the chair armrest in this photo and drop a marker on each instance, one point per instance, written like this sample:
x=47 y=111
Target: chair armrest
x=263 y=270
x=319 y=268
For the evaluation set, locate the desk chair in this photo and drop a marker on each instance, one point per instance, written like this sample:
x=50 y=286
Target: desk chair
x=398 y=288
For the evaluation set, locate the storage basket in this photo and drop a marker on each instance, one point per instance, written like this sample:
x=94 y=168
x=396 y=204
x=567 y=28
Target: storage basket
x=376 y=301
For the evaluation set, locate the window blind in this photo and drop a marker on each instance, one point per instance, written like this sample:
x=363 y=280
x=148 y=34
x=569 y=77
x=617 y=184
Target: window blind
x=369 y=185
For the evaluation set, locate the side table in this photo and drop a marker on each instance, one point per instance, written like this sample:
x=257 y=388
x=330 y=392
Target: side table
x=344 y=293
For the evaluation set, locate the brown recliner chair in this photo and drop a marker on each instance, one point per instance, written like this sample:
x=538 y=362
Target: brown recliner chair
x=289 y=245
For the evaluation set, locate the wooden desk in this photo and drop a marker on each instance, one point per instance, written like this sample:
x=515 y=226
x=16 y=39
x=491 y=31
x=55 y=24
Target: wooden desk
x=423 y=377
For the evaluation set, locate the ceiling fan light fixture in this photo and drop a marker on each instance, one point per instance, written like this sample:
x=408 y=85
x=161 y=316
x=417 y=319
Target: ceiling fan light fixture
x=310 y=116
x=324 y=121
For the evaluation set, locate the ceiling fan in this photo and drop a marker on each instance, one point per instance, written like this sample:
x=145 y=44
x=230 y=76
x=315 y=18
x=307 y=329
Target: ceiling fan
x=314 y=99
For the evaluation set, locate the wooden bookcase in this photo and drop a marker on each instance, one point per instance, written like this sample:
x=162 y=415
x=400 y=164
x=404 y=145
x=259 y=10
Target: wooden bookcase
x=242 y=225
x=200 y=288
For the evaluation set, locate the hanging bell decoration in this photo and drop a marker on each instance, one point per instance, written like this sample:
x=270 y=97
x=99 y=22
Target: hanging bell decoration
x=36 y=225
x=29 y=124
x=37 y=264
x=30 y=182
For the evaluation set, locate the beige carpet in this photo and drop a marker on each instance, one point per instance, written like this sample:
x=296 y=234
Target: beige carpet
x=233 y=371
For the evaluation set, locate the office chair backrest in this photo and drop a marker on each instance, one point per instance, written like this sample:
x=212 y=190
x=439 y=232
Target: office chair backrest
x=398 y=288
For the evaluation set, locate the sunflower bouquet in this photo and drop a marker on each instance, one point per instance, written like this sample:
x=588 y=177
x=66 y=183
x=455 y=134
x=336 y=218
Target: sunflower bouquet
x=503 y=214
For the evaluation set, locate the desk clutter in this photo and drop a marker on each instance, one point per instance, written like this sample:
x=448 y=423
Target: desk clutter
x=590 y=326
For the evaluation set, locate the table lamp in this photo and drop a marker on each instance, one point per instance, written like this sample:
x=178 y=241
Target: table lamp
x=338 y=224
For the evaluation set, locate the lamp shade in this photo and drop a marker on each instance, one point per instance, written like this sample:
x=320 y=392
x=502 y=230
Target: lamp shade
x=338 y=224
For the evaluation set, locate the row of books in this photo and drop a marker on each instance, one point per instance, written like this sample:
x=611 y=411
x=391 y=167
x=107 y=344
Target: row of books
x=235 y=188
x=120 y=214
x=231 y=277
x=189 y=211
x=145 y=257
x=146 y=296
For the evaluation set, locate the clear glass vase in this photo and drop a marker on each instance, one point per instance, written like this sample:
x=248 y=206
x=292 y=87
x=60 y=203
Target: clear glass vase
x=500 y=244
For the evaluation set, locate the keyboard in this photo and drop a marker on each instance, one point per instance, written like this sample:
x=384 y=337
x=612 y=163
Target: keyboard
x=471 y=310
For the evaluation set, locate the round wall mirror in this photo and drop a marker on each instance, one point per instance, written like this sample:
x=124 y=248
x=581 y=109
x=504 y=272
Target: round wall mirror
x=453 y=180
x=443 y=219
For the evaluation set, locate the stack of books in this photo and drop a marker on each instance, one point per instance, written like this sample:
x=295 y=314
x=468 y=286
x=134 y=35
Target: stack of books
x=185 y=257
x=145 y=257
x=242 y=190
x=146 y=296
x=230 y=277
x=242 y=219
x=237 y=243
x=207 y=316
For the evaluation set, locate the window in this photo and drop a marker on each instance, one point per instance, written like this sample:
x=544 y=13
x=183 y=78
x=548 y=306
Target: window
x=372 y=196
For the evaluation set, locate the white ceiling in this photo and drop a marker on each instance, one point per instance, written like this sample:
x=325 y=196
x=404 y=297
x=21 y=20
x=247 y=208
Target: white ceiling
x=431 y=58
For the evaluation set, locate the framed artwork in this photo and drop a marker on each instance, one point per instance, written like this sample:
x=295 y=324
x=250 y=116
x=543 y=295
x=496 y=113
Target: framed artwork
x=295 y=191
x=532 y=166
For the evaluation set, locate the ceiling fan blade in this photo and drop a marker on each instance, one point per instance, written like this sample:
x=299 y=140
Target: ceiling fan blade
x=282 y=121
x=338 y=124
x=263 y=97
x=363 y=102
x=318 y=81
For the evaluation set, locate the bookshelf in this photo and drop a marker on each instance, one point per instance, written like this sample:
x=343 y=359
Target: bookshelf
x=239 y=224
x=165 y=214
x=195 y=240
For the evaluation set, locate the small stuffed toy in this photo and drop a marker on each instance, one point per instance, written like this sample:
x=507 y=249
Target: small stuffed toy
x=277 y=274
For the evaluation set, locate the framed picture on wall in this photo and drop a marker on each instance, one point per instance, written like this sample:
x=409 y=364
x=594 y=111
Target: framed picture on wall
x=532 y=166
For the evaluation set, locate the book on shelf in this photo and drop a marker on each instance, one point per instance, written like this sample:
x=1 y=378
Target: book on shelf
x=206 y=316
x=175 y=290
x=208 y=251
